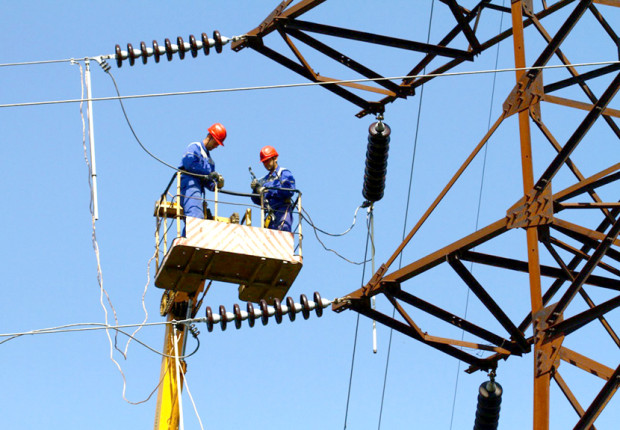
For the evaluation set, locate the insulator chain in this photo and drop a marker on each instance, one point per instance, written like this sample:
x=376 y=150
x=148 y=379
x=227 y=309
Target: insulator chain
x=376 y=161
x=263 y=312
x=194 y=45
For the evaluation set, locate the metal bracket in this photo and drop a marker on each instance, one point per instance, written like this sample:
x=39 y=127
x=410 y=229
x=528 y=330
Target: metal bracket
x=537 y=209
x=525 y=95
x=547 y=353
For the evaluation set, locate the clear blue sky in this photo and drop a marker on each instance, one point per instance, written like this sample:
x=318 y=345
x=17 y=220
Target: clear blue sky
x=293 y=375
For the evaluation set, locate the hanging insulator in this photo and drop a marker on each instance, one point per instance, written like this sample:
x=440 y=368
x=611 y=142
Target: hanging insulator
x=489 y=401
x=376 y=161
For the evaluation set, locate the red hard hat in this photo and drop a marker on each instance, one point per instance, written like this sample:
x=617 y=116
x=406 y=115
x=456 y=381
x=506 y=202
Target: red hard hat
x=218 y=132
x=267 y=152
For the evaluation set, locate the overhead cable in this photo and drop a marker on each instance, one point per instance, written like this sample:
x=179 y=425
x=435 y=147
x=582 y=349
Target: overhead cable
x=308 y=84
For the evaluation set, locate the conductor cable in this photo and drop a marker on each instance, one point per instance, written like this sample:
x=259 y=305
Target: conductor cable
x=309 y=84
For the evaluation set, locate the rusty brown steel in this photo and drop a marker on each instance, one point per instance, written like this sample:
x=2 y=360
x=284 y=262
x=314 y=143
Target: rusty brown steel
x=536 y=212
x=569 y=395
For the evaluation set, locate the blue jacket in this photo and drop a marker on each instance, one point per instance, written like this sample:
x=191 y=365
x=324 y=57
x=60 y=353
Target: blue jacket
x=279 y=200
x=197 y=159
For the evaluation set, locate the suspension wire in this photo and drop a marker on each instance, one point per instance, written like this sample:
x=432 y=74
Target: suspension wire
x=309 y=221
x=30 y=63
x=85 y=327
x=102 y=289
x=400 y=259
x=145 y=149
x=357 y=323
x=191 y=397
x=484 y=164
x=310 y=84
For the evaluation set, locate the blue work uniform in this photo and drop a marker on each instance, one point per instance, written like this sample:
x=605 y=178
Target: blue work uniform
x=196 y=160
x=278 y=202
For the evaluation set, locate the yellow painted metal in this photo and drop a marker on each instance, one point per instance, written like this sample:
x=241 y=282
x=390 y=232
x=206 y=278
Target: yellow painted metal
x=178 y=204
x=167 y=410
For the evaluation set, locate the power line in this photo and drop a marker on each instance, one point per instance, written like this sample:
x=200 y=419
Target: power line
x=31 y=63
x=306 y=84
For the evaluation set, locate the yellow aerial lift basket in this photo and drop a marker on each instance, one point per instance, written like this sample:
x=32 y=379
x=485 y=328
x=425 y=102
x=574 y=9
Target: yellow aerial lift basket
x=263 y=262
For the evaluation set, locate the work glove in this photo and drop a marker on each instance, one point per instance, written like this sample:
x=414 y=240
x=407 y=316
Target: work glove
x=216 y=178
x=254 y=184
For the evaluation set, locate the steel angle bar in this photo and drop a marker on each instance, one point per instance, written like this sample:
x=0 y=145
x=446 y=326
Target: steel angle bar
x=453 y=319
x=548 y=271
x=579 y=105
x=463 y=24
x=559 y=37
x=416 y=334
x=578 y=79
x=550 y=293
x=493 y=230
x=569 y=325
x=268 y=24
x=579 y=133
x=439 y=256
x=587 y=364
x=569 y=395
x=599 y=17
x=344 y=60
x=585 y=272
x=599 y=403
x=452 y=34
x=270 y=53
x=543 y=128
x=588 y=205
x=589 y=237
x=599 y=179
x=362 y=36
x=488 y=302
x=582 y=292
x=296 y=52
x=582 y=255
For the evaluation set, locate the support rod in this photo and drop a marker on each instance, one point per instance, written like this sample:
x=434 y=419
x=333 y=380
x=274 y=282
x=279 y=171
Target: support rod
x=91 y=139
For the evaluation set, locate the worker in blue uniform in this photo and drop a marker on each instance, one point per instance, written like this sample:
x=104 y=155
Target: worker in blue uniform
x=197 y=160
x=278 y=202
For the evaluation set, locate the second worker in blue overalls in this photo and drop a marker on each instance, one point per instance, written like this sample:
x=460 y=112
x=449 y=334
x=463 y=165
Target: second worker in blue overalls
x=278 y=202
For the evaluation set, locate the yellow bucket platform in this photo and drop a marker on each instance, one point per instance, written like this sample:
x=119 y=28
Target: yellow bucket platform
x=261 y=261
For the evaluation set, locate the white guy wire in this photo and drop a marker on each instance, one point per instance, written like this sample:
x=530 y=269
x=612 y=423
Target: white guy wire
x=191 y=398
